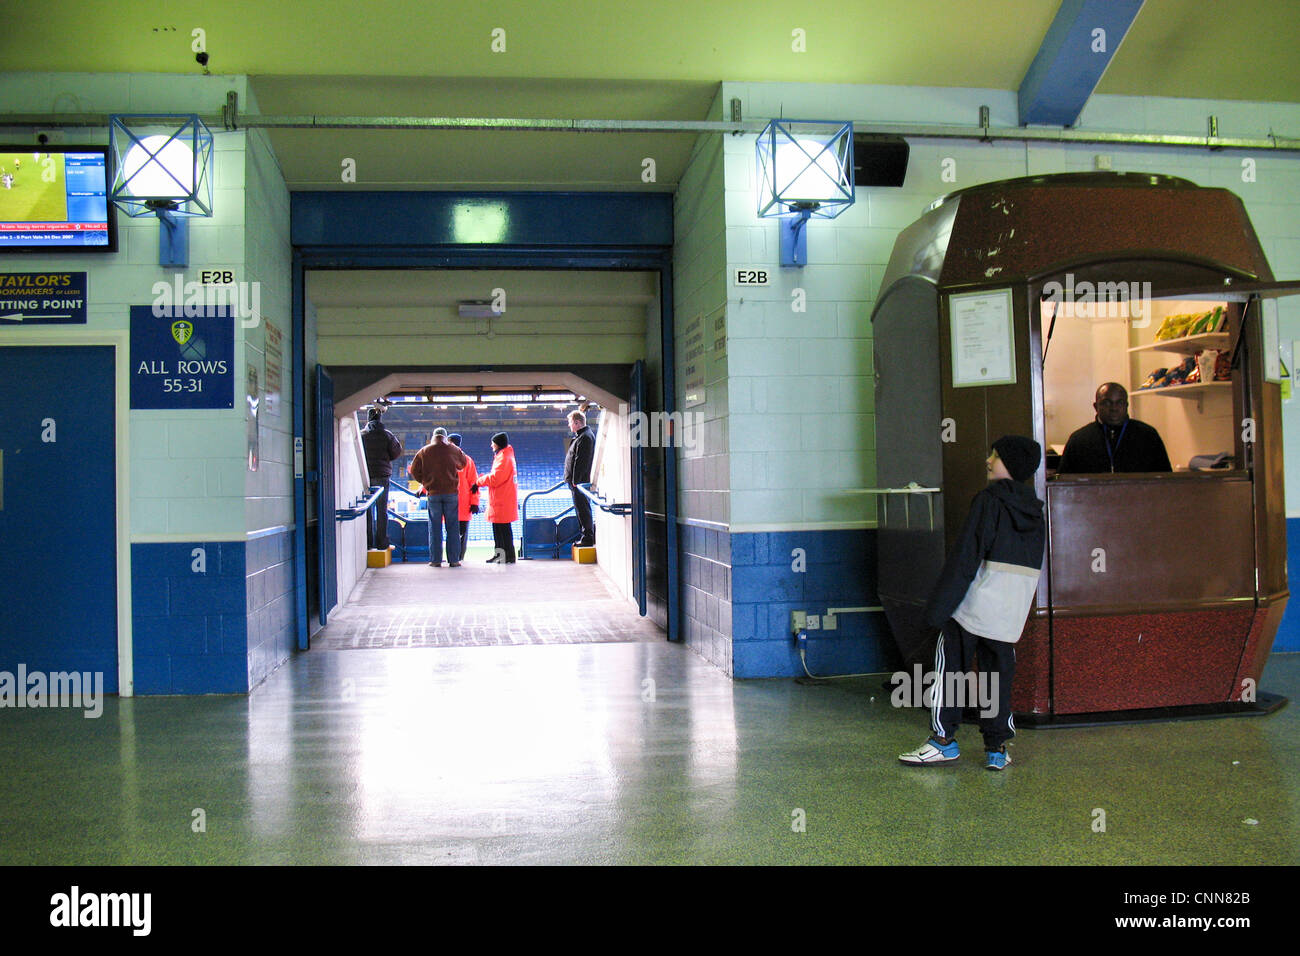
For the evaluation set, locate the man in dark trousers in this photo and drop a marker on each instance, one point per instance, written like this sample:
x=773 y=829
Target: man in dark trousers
x=1114 y=442
x=577 y=471
x=382 y=448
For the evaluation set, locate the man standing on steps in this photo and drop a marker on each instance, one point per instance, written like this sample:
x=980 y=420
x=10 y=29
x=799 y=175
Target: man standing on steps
x=577 y=471
x=437 y=466
x=382 y=448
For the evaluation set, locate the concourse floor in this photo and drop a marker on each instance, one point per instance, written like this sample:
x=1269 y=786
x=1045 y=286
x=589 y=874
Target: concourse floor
x=529 y=602
x=619 y=753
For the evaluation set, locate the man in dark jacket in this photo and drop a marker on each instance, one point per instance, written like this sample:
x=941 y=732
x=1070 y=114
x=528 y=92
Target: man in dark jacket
x=577 y=471
x=382 y=448
x=437 y=466
x=1114 y=442
x=981 y=601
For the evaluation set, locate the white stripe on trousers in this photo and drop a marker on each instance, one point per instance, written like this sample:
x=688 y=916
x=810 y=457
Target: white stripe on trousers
x=936 y=705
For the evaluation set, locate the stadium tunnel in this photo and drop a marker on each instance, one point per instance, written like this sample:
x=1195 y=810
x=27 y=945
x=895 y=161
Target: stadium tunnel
x=598 y=328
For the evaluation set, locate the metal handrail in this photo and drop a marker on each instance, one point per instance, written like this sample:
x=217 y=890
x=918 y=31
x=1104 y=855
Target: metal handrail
x=600 y=500
x=523 y=517
x=357 y=510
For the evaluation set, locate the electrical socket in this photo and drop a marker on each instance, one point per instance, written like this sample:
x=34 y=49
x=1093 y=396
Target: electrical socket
x=814 y=622
x=798 y=621
x=829 y=622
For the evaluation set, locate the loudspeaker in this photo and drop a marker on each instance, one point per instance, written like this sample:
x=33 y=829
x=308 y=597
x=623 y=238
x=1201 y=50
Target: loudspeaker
x=879 y=159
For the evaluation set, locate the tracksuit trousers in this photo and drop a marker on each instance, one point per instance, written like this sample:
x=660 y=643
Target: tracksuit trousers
x=957 y=686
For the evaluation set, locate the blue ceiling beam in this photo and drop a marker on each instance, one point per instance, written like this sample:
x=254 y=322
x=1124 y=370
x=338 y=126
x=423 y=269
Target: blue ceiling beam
x=1075 y=53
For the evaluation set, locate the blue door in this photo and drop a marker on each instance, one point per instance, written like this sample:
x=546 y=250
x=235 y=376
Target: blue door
x=325 y=504
x=58 y=510
x=638 y=492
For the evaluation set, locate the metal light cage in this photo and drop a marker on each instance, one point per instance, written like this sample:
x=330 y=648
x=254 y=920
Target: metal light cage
x=830 y=160
x=192 y=195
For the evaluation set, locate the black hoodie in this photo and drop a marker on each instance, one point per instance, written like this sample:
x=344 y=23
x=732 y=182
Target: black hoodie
x=989 y=580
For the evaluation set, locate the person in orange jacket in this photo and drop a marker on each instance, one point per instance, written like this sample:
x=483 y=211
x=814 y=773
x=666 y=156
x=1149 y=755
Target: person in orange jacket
x=503 y=498
x=468 y=500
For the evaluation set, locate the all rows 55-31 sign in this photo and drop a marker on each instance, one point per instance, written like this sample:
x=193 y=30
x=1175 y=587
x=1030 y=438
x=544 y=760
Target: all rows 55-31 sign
x=181 y=360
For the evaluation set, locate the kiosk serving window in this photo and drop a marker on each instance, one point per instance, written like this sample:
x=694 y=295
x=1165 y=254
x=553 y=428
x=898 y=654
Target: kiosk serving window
x=1173 y=357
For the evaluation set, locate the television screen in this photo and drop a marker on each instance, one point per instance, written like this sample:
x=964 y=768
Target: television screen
x=55 y=198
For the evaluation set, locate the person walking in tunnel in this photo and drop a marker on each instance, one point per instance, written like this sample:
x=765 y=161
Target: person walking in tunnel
x=577 y=471
x=436 y=466
x=503 y=498
x=467 y=501
x=382 y=448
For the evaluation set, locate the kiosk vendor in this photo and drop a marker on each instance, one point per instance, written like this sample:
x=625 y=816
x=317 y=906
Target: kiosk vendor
x=1114 y=442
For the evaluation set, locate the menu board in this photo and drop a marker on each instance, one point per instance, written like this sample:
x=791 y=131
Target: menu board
x=983 y=339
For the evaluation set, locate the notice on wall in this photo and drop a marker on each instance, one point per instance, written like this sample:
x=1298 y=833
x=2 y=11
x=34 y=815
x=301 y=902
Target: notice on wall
x=983 y=339
x=42 y=298
x=1272 y=352
x=272 y=383
x=182 y=362
x=253 y=401
x=719 y=328
x=692 y=345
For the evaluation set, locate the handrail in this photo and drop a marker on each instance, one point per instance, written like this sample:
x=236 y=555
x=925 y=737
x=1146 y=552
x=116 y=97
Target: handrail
x=357 y=510
x=599 y=501
x=523 y=517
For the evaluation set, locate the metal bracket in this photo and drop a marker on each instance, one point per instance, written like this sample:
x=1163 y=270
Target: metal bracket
x=230 y=111
x=984 y=123
x=911 y=488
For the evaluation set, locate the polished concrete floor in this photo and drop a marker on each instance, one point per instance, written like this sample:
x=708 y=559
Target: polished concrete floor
x=619 y=753
x=477 y=604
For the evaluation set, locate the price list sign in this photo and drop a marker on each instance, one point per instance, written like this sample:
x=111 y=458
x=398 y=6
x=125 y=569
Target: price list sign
x=983 y=339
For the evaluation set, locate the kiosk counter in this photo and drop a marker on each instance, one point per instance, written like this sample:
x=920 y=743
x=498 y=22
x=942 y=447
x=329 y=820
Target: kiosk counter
x=1003 y=309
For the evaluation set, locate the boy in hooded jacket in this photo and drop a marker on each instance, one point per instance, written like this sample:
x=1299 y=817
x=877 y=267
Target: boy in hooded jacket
x=981 y=602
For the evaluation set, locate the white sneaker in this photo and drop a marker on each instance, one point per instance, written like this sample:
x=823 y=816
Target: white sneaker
x=931 y=753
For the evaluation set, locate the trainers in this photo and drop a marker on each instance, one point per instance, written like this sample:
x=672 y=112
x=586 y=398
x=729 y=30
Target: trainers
x=998 y=760
x=931 y=752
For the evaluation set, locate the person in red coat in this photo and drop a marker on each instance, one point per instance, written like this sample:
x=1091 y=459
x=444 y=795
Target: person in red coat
x=503 y=498
x=468 y=501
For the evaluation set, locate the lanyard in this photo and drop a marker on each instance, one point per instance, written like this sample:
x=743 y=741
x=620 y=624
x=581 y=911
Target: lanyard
x=1106 y=438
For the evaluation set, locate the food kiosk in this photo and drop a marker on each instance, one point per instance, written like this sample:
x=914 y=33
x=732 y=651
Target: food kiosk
x=1002 y=310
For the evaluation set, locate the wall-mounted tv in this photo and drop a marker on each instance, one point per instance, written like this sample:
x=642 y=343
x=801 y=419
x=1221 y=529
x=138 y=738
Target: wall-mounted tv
x=55 y=199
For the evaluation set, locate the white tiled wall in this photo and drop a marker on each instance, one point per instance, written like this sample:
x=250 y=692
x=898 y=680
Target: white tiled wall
x=268 y=261
x=699 y=287
x=186 y=466
x=801 y=417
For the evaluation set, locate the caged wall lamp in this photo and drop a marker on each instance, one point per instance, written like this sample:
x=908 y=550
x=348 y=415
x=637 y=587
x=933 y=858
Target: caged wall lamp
x=166 y=174
x=805 y=169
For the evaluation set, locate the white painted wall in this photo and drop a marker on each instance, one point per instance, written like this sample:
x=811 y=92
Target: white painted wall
x=801 y=420
x=188 y=467
x=612 y=477
x=700 y=295
x=350 y=482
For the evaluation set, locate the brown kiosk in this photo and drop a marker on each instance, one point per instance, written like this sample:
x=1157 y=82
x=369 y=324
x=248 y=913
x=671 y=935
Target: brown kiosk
x=1001 y=311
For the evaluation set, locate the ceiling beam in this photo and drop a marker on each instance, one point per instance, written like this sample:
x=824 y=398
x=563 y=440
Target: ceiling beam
x=1079 y=45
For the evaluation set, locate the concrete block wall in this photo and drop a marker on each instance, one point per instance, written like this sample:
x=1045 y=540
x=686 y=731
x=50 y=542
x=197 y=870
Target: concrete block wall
x=223 y=629
x=800 y=415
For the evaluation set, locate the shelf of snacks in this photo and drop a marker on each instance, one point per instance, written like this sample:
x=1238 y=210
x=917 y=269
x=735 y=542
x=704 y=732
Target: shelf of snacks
x=1189 y=345
x=1194 y=390
x=1204 y=368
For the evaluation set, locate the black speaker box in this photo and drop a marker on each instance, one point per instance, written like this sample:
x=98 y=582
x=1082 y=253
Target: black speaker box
x=879 y=159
